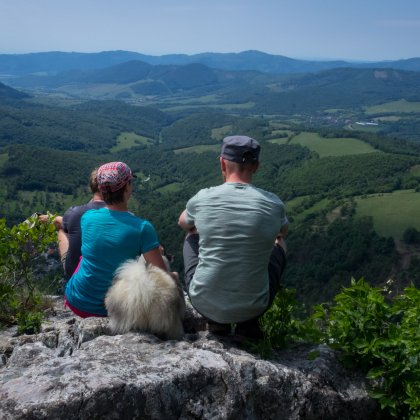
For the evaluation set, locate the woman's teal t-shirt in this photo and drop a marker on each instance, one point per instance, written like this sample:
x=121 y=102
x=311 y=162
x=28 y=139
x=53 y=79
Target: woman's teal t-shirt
x=108 y=239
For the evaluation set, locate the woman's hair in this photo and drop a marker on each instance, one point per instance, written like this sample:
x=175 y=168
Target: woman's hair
x=93 y=181
x=115 y=197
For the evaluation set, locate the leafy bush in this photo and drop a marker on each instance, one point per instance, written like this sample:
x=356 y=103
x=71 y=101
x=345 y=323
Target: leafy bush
x=411 y=236
x=19 y=296
x=382 y=339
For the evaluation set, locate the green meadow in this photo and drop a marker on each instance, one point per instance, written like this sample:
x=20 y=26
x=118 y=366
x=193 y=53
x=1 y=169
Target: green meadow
x=3 y=159
x=332 y=147
x=415 y=170
x=392 y=213
x=301 y=216
x=367 y=128
x=129 y=140
x=200 y=149
x=281 y=140
x=220 y=133
x=222 y=106
x=174 y=187
x=278 y=126
x=397 y=106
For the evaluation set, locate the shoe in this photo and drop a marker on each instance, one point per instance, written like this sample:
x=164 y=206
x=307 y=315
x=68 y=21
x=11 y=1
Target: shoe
x=219 y=329
x=249 y=329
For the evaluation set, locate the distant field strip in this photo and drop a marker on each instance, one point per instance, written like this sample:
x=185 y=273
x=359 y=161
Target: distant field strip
x=3 y=159
x=224 y=106
x=392 y=213
x=175 y=186
x=397 y=106
x=128 y=140
x=332 y=147
x=415 y=170
x=281 y=140
x=200 y=149
x=219 y=133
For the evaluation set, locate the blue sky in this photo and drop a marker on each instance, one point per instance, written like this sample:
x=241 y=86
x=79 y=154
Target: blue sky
x=365 y=30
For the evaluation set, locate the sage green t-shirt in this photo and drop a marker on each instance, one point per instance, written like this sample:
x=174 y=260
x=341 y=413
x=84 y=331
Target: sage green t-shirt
x=238 y=225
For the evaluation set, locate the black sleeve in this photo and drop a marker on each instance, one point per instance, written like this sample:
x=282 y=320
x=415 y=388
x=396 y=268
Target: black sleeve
x=66 y=218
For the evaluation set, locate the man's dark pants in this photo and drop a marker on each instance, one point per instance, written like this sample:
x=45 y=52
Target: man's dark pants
x=276 y=267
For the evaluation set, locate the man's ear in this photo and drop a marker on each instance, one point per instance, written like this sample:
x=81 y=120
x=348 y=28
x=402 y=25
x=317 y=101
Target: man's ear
x=256 y=167
x=222 y=164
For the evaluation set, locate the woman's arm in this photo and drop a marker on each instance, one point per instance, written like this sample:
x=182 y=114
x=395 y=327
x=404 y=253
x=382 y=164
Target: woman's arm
x=154 y=257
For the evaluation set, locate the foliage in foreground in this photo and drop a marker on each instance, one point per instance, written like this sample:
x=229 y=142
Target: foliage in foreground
x=382 y=339
x=20 y=298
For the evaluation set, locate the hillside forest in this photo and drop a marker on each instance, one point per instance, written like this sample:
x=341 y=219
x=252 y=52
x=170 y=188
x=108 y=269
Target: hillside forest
x=340 y=147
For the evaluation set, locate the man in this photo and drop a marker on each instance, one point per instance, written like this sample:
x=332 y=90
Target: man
x=234 y=252
x=110 y=236
x=69 y=232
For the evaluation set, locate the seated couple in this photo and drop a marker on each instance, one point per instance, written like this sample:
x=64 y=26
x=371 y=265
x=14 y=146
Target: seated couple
x=234 y=252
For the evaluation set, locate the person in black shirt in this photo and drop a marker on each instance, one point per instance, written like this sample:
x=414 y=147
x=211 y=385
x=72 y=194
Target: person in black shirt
x=69 y=230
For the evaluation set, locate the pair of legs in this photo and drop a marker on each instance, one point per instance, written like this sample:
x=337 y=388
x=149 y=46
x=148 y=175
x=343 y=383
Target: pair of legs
x=276 y=267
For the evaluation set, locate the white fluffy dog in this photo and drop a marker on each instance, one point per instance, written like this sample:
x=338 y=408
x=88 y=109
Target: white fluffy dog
x=145 y=298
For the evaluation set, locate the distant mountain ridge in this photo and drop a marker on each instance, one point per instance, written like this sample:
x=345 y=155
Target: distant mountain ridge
x=154 y=79
x=56 y=62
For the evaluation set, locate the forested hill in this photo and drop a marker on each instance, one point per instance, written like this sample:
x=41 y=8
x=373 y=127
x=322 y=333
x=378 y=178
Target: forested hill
x=172 y=78
x=8 y=92
x=55 y=62
x=304 y=93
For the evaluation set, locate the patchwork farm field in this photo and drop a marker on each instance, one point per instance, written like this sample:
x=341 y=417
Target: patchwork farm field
x=332 y=147
x=397 y=106
x=392 y=213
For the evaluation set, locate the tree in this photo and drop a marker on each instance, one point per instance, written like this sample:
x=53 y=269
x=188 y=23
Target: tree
x=411 y=236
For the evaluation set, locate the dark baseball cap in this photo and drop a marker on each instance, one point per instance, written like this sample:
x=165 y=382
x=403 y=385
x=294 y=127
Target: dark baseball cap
x=234 y=148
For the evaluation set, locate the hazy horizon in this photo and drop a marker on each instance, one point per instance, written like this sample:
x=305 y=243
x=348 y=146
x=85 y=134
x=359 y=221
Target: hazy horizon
x=360 y=31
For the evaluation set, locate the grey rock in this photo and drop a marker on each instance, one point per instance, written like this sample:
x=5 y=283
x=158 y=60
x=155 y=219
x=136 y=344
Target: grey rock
x=90 y=374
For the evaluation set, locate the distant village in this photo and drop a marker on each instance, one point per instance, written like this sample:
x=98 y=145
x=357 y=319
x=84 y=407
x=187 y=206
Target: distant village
x=338 y=120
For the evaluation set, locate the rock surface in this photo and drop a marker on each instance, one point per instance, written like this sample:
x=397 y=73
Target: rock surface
x=76 y=370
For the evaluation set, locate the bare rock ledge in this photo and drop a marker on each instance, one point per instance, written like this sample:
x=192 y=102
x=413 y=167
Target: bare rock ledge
x=76 y=370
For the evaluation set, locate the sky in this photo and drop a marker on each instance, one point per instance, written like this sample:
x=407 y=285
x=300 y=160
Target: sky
x=369 y=30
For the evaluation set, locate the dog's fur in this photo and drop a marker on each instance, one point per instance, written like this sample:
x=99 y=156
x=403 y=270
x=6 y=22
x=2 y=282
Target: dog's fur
x=145 y=298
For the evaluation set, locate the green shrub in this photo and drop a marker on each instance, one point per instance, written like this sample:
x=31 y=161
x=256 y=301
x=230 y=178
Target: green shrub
x=380 y=338
x=19 y=296
x=411 y=236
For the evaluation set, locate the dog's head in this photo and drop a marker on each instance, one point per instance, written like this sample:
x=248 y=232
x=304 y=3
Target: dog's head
x=169 y=257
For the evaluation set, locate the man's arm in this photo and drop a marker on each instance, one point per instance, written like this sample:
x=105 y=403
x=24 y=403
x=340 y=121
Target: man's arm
x=154 y=257
x=183 y=223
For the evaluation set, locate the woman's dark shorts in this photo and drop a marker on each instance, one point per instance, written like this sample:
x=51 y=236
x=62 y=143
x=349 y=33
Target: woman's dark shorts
x=276 y=265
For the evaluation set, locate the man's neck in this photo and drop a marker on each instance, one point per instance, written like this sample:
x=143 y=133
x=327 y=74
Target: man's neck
x=242 y=178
